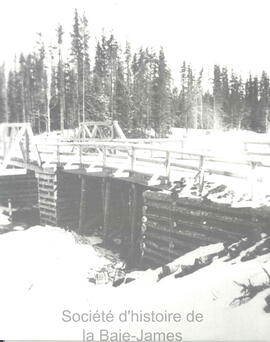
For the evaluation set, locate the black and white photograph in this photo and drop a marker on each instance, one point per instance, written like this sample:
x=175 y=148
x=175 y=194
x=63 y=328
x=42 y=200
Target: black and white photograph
x=135 y=170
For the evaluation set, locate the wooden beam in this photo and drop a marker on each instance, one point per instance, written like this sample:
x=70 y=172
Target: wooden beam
x=118 y=130
x=106 y=189
x=124 y=214
x=34 y=145
x=12 y=148
x=201 y=174
x=82 y=204
x=133 y=219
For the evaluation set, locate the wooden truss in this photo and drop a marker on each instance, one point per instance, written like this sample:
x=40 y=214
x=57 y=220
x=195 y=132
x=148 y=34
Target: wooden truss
x=17 y=139
x=100 y=130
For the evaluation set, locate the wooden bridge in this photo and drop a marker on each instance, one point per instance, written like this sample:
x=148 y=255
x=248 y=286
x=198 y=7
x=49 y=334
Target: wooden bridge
x=93 y=151
x=95 y=176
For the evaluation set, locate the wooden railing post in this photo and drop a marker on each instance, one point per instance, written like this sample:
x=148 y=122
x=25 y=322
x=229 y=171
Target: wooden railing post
x=5 y=129
x=80 y=153
x=167 y=165
x=253 y=181
x=104 y=151
x=182 y=147
x=245 y=147
x=27 y=147
x=58 y=154
x=201 y=175
x=132 y=158
x=9 y=208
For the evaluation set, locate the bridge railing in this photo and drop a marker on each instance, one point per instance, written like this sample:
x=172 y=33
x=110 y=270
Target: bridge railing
x=153 y=156
x=161 y=160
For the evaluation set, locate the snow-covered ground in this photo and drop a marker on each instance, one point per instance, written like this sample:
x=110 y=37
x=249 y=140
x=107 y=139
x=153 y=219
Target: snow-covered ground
x=46 y=270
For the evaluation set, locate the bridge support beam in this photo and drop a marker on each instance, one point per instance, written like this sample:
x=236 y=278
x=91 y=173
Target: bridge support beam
x=82 y=204
x=106 y=190
x=133 y=220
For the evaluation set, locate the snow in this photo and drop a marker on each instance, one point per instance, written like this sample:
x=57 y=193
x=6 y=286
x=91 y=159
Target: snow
x=227 y=151
x=45 y=270
x=4 y=221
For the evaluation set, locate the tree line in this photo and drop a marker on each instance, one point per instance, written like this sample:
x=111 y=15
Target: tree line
x=54 y=90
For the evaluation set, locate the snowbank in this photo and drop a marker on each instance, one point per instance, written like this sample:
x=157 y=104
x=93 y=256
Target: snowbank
x=45 y=270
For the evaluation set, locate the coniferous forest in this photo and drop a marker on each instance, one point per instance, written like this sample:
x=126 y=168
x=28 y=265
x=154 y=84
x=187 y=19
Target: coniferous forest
x=56 y=90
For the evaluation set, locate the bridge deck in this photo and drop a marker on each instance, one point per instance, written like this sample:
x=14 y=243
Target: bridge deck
x=158 y=158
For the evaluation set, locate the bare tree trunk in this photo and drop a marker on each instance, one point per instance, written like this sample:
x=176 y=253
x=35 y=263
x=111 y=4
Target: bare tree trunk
x=62 y=100
x=48 y=125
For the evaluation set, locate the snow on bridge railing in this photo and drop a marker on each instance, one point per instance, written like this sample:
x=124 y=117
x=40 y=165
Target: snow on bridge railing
x=130 y=156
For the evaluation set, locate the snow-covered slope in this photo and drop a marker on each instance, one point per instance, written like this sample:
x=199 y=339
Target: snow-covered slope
x=46 y=270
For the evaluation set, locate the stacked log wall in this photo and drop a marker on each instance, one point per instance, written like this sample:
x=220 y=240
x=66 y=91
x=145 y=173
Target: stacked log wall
x=47 y=197
x=59 y=198
x=171 y=228
x=20 y=189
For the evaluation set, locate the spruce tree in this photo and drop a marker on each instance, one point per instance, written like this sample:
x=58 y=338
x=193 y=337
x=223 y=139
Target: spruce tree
x=128 y=83
x=236 y=101
x=61 y=84
x=99 y=99
x=264 y=103
x=3 y=95
x=225 y=105
x=86 y=72
x=77 y=62
x=121 y=98
x=161 y=96
x=217 y=97
x=11 y=97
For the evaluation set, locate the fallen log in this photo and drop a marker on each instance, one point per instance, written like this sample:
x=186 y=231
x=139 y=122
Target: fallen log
x=206 y=255
x=260 y=248
x=236 y=248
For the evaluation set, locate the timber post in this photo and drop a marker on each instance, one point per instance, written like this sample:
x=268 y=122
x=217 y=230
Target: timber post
x=10 y=209
x=58 y=155
x=124 y=206
x=253 y=181
x=104 y=157
x=106 y=189
x=80 y=156
x=27 y=148
x=133 y=220
x=201 y=175
x=82 y=204
x=132 y=158
x=167 y=165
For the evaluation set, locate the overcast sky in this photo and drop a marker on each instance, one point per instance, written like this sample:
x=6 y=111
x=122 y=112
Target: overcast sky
x=235 y=33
